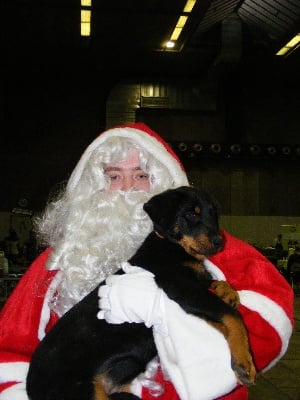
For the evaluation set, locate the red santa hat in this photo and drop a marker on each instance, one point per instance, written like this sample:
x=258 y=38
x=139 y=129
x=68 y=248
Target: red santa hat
x=147 y=139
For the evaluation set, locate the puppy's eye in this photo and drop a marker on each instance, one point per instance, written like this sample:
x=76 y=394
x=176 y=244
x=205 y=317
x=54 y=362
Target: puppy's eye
x=191 y=215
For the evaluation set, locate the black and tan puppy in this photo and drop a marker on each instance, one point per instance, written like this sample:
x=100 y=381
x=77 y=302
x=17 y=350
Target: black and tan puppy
x=84 y=358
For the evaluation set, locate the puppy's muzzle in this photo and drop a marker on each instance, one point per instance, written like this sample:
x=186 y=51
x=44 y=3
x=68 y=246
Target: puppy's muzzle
x=217 y=243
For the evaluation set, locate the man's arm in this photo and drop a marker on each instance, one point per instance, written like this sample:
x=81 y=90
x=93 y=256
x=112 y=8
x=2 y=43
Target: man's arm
x=20 y=320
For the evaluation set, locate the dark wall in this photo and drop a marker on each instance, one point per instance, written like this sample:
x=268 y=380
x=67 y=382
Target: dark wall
x=50 y=114
x=52 y=111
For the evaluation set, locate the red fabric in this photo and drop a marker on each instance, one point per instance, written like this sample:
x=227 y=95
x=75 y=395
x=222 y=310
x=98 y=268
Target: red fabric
x=20 y=316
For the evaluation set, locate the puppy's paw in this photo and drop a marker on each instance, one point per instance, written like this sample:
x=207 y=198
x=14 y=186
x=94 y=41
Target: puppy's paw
x=244 y=370
x=226 y=292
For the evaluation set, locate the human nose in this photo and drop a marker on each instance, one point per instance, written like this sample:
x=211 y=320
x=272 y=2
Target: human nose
x=128 y=183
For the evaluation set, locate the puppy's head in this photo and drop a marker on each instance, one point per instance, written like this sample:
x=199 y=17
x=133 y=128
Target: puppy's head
x=189 y=217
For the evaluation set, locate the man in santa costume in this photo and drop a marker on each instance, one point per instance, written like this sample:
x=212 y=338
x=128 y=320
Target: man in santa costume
x=91 y=229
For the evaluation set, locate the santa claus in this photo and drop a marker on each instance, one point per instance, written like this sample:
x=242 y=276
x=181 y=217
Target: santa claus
x=94 y=225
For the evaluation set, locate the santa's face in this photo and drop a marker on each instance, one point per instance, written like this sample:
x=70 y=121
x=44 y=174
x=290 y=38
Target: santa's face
x=127 y=174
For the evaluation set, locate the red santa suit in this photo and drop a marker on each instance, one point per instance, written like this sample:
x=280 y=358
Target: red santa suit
x=266 y=298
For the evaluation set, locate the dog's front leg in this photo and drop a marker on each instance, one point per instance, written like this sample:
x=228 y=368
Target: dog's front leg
x=235 y=333
x=226 y=292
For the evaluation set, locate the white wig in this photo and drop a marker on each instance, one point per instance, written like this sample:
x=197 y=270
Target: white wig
x=92 y=230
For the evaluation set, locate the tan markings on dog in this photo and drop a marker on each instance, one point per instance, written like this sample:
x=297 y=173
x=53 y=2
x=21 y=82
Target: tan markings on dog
x=159 y=235
x=235 y=333
x=226 y=292
x=99 y=388
x=197 y=248
x=198 y=268
x=197 y=210
x=195 y=266
x=103 y=387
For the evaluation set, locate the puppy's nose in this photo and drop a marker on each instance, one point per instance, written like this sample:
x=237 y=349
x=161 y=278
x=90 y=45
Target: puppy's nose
x=217 y=242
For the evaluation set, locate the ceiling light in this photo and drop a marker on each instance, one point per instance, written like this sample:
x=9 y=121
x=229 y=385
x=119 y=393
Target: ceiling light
x=290 y=46
x=170 y=44
x=178 y=28
x=189 y=6
x=85 y=17
x=181 y=21
x=176 y=33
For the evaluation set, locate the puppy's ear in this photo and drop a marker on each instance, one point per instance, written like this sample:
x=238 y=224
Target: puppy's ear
x=162 y=209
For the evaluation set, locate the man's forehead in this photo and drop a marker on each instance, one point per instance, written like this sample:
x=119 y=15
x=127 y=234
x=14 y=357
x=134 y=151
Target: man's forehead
x=132 y=162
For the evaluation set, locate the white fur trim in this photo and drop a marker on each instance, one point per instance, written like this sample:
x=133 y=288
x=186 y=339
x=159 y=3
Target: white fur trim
x=136 y=387
x=149 y=143
x=273 y=314
x=14 y=372
x=45 y=313
x=15 y=392
x=215 y=271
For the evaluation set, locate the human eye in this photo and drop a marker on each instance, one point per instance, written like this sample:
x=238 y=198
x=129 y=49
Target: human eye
x=113 y=176
x=141 y=176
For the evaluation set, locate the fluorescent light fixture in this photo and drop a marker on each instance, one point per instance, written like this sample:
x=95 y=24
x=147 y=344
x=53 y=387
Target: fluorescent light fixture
x=170 y=44
x=178 y=28
x=291 y=45
x=189 y=6
x=175 y=34
x=85 y=17
x=181 y=21
x=85 y=25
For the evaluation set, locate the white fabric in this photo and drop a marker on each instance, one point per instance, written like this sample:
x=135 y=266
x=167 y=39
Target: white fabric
x=15 y=392
x=153 y=146
x=141 y=285
x=10 y=372
x=13 y=371
x=273 y=314
x=192 y=353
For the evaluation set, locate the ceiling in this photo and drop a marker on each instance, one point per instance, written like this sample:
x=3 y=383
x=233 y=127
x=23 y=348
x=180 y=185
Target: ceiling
x=128 y=36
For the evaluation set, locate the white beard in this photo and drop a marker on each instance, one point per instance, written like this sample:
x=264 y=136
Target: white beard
x=107 y=230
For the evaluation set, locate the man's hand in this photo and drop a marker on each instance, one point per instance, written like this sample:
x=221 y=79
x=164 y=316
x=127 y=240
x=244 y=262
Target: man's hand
x=132 y=297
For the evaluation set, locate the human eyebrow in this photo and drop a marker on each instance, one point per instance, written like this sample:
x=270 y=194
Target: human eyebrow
x=137 y=168
x=112 y=169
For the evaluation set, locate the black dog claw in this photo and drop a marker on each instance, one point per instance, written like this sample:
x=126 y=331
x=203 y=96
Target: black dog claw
x=243 y=375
